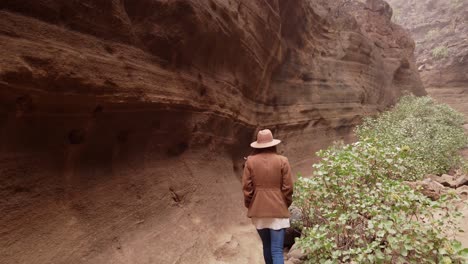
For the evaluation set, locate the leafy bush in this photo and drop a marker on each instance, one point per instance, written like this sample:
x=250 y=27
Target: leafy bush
x=432 y=133
x=440 y=52
x=396 y=17
x=431 y=34
x=356 y=210
x=456 y=3
x=464 y=166
x=352 y=212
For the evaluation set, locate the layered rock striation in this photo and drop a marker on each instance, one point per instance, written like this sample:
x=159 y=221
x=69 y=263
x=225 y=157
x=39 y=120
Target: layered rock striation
x=440 y=29
x=123 y=123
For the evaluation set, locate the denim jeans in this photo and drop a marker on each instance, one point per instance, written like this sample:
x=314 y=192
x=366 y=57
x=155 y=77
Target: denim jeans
x=272 y=245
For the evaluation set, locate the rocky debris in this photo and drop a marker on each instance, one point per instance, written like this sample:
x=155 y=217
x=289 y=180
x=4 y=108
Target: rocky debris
x=445 y=179
x=296 y=214
x=463 y=192
x=434 y=186
x=460 y=181
x=295 y=255
x=293 y=232
x=429 y=188
x=449 y=180
x=293 y=261
x=139 y=110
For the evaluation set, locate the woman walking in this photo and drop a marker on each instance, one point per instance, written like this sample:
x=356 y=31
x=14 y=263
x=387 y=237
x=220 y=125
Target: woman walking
x=268 y=188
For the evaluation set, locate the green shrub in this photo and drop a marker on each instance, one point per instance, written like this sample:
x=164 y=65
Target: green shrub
x=464 y=166
x=431 y=34
x=440 y=52
x=353 y=212
x=396 y=17
x=456 y=3
x=432 y=133
x=357 y=210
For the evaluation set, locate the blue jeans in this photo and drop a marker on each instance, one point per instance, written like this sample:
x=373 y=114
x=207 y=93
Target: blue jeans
x=272 y=245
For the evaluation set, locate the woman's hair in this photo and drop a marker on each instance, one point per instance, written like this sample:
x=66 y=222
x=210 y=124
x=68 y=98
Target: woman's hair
x=264 y=150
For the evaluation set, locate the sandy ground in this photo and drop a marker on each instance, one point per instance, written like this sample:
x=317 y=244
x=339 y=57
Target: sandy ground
x=456 y=97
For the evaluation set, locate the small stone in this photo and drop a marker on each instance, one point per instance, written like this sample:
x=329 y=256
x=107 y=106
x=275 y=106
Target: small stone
x=463 y=192
x=296 y=253
x=296 y=261
x=462 y=180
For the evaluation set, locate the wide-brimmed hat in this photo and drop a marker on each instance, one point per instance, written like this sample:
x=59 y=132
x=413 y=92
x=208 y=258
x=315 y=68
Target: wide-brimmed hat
x=265 y=140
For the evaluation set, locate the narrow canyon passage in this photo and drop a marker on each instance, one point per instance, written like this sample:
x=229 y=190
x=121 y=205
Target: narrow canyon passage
x=123 y=124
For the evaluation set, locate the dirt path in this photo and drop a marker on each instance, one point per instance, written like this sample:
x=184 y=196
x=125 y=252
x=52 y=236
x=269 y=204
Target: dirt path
x=463 y=237
x=456 y=97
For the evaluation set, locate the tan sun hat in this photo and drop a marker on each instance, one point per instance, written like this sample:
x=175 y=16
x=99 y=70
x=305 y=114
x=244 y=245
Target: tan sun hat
x=265 y=140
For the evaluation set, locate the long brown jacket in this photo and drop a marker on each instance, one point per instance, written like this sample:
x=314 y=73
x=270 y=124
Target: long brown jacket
x=267 y=185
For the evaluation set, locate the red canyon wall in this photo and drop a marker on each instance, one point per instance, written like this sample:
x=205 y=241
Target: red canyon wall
x=123 y=123
x=440 y=29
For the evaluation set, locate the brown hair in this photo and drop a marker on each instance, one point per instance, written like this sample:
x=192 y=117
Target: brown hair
x=264 y=150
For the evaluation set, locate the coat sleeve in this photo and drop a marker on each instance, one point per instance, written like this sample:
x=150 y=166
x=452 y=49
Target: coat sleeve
x=247 y=185
x=287 y=183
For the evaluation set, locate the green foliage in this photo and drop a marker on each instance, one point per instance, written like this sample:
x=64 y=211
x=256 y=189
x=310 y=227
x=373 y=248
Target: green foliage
x=432 y=34
x=431 y=133
x=464 y=166
x=440 y=52
x=396 y=17
x=456 y=3
x=356 y=209
x=352 y=211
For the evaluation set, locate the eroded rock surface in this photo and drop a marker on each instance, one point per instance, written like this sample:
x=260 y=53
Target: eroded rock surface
x=440 y=29
x=123 y=123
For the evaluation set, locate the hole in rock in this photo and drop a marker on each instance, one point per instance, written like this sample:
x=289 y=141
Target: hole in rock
x=178 y=149
x=76 y=136
x=202 y=91
x=213 y=5
x=109 y=49
x=24 y=104
x=307 y=77
x=97 y=110
x=21 y=189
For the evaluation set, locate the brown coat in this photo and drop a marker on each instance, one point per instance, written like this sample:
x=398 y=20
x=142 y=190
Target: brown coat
x=267 y=185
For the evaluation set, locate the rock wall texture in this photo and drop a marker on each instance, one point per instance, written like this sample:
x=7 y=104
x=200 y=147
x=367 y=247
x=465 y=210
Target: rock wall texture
x=123 y=123
x=440 y=29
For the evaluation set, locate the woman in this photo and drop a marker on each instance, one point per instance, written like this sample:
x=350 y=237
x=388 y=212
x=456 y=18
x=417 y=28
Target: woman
x=268 y=188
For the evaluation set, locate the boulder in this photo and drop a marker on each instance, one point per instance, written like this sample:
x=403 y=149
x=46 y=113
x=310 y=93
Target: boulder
x=460 y=181
x=445 y=179
x=429 y=188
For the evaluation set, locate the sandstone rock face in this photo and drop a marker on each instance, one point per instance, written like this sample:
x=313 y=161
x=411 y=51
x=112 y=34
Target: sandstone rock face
x=440 y=29
x=123 y=123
